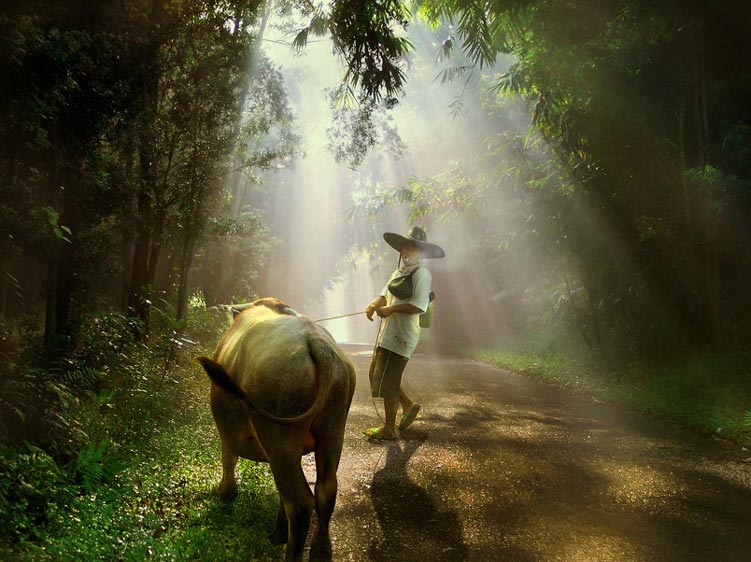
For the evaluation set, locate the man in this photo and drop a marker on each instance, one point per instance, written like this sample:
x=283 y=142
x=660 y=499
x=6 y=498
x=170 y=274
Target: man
x=404 y=298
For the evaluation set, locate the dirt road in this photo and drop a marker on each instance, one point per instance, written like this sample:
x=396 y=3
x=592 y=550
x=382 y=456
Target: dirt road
x=501 y=468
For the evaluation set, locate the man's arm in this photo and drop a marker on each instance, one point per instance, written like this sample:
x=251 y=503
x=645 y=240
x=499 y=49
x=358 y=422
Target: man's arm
x=404 y=308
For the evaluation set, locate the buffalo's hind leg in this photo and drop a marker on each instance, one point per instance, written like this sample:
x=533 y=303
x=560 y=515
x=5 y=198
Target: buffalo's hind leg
x=227 y=487
x=327 y=463
x=294 y=492
x=279 y=535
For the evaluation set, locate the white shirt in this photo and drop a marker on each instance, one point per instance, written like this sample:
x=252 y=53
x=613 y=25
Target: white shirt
x=400 y=332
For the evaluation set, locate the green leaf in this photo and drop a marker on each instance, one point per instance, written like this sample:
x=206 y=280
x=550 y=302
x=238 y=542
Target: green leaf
x=301 y=39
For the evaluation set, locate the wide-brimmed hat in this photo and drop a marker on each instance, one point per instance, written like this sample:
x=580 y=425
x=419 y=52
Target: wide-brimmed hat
x=417 y=236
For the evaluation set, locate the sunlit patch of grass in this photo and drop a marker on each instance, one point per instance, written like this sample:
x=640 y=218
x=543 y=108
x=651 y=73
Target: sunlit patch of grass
x=142 y=487
x=566 y=371
x=161 y=508
x=708 y=392
x=159 y=504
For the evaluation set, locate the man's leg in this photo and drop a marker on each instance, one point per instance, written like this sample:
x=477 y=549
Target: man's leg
x=390 y=405
x=385 y=380
x=404 y=400
x=410 y=409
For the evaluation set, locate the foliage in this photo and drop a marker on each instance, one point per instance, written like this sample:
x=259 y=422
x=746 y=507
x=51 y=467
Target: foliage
x=705 y=392
x=230 y=256
x=357 y=128
x=80 y=405
x=139 y=485
x=33 y=492
x=626 y=183
x=159 y=507
x=41 y=405
x=93 y=468
x=364 y=35
x=371 y=41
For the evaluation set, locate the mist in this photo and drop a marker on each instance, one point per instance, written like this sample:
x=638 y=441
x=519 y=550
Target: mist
x=327 y=262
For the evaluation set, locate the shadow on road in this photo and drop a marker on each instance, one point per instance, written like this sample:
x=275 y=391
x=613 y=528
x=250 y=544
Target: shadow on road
x=413 y=525
x=499 y=468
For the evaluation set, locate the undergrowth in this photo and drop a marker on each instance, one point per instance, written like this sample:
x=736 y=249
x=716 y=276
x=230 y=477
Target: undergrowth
x=709 y=392
x=110 y=453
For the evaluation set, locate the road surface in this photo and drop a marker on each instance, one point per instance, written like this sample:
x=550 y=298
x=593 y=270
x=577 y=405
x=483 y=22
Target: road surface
x=502 y=468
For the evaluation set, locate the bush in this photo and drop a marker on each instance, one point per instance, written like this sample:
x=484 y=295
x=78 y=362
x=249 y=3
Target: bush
x=103 y=339
x=33 y=490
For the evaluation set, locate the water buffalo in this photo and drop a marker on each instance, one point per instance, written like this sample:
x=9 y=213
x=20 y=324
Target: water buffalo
x=282 y=388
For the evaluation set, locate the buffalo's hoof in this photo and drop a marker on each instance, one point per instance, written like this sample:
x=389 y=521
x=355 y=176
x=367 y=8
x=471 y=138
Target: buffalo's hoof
x=225 y=493
x=320 y=550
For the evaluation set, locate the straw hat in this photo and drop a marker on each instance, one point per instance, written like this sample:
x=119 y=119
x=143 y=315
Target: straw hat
x=417 y=236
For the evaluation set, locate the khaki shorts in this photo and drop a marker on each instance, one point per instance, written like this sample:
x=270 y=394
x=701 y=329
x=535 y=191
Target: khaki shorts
x=386 y=373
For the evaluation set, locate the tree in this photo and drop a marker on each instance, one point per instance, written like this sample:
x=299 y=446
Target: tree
x=630 y=170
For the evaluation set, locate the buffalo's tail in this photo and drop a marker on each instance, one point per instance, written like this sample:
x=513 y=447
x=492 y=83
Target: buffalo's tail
x=326 y=360
x=221 y=378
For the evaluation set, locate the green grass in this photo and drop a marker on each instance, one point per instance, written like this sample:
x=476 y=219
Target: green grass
x=708 y=392
x=147 y=494
x=162 y=509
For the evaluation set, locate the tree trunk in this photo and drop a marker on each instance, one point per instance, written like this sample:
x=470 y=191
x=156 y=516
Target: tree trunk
x=147 y=159
x=682 y=150
x=51 y=262
x=238 y=188
x=128 y=221
x=126 y=264
x=186 y=260
x=710 y=253
x=139 y=301
x=157 y=233
x=66 y=256
x=4 y=292
x=49 y=303
x=65 y=268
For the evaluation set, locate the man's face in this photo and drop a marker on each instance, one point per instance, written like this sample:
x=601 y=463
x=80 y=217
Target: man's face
x=411 y=253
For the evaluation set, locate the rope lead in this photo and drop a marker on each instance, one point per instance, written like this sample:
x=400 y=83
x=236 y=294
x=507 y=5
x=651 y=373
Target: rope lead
x=341 y=316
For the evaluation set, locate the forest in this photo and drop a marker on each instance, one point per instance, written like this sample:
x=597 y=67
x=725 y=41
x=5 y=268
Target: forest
x=588 y=171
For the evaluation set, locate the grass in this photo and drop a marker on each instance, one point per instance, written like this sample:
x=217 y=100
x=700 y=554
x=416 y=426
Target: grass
x=710 y=393
x=145 y=493
x=160 y=507
x=162 y=512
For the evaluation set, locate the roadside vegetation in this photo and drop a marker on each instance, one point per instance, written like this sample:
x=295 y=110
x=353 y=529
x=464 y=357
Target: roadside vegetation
x=707 y=392
x=124 y=464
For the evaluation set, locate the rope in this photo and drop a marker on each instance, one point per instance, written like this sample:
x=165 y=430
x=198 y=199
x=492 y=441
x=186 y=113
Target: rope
x=340 y=316
x=375 y=346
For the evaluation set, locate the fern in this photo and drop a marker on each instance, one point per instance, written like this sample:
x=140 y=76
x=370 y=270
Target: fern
x=92 y=466
x=82 y=377
x=747 y=418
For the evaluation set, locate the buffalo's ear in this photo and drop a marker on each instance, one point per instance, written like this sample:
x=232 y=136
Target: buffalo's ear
x=219 y=377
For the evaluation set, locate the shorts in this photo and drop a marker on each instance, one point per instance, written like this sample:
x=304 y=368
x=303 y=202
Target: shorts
x=386 y=373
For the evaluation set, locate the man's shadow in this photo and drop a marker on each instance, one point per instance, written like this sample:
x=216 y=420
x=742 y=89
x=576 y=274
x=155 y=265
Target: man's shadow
x=413 y=527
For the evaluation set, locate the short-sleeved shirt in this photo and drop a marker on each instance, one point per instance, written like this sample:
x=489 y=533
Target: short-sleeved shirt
x=400 y=332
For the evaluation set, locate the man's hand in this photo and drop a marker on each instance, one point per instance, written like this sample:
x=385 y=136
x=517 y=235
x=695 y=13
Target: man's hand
x=385 y=311
x=374 y=306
